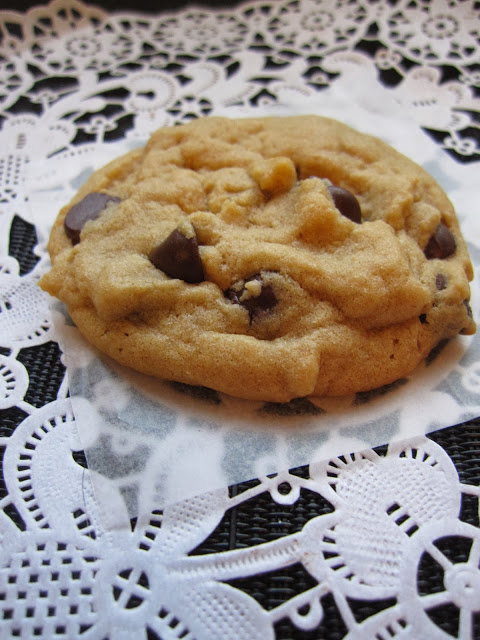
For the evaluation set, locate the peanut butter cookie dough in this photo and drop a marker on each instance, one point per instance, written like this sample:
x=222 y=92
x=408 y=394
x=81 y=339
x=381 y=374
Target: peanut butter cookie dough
x=267 y=258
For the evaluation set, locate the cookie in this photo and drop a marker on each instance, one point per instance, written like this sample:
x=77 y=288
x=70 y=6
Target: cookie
x=268 y=258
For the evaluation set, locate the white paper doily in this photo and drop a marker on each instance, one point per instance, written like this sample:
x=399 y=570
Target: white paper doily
x=368 y=545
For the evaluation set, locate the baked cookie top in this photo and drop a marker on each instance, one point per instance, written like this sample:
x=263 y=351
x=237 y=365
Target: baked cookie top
x=268 y=258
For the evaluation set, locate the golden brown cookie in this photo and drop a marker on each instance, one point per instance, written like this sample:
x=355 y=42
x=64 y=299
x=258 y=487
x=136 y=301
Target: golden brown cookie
x=268 y=258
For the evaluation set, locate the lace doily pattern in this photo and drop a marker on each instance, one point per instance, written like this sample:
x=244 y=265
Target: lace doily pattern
x=426 y=52
x=372 y=532
x=380 y=544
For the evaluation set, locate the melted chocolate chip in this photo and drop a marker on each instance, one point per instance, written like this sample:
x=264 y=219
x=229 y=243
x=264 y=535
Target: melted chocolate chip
x=346 y=203
x=255 y=305
x=423 y=318
x=442 y=243
x=89 y=208
x=441 y=282
x=178 y=257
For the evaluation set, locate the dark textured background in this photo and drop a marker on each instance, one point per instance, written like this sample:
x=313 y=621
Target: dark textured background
x=260 y=519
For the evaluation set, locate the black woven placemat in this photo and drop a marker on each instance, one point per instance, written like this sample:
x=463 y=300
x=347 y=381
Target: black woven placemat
x=260 y=519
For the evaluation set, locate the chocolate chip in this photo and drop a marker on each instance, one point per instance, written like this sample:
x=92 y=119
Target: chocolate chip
x=197 y=393
x=362 y=397
x=263 y=302
x=89 y=208
x=346 y=203
x=178 y=257
x=468 y=330
x=435 y=352
x=296 y=407
x=423 y=318
x=442 y=243
x=468 y=308
x=441 y=282
x=255 y=304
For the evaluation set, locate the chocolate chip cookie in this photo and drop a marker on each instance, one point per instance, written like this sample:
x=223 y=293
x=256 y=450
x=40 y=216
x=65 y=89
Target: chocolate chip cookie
x=268 y=258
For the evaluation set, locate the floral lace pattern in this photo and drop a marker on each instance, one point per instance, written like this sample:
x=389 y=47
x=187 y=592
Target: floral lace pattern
x=384 y=543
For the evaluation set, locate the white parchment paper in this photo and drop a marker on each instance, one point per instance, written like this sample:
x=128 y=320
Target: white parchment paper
x=159 y=443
